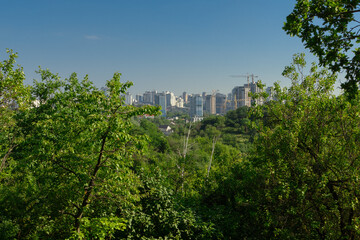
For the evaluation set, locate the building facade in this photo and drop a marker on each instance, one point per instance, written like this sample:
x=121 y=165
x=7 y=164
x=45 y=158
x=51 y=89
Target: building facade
x=221 y=104
x=241 y=96
x=160 y=100
x=170 y=99
x=210 y=104
x=196 y=106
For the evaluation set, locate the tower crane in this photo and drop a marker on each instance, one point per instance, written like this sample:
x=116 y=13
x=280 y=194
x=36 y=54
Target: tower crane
x=247 y=76
x=241 y=76
x=214 y=92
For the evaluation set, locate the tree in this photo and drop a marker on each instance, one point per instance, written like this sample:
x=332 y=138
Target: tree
x=71 y=174
x=13 y=95
x=307 y=159
x=330 y=30
x=161 y=216
x=157 y=139
x=236 y=121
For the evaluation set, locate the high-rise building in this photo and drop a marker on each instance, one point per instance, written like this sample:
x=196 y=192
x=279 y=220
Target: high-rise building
x=170 y=99
x=196 y=106
x=220 y=103
x=210 y=104
x=185 y=97
x=240 y=96
x=160 y=100
x=128 y=99
x=139 y=98
x=203 y=95
x=255 y=89
x=179 y=102
x=149 y=97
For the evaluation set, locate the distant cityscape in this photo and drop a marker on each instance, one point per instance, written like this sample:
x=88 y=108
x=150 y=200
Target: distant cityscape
x=198 y=105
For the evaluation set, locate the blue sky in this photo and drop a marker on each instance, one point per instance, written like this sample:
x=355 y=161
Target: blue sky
x=174 y=45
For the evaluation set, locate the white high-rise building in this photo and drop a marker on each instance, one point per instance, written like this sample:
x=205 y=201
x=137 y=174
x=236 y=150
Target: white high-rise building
x=179 y=102
x=128 y=99
x=170 y=99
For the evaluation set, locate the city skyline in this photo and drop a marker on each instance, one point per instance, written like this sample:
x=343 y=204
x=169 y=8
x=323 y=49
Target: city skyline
x=190 y=46
x=196 y=104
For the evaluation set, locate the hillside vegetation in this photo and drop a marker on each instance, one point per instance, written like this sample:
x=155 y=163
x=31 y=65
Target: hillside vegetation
x=76 y=163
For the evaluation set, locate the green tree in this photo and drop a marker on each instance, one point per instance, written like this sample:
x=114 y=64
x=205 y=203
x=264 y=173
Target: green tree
x=72 y=170
x=237 y=121
x=307 y=159
x=162 y=216
x=157 y=139
x=330 y=30
x=13 y=95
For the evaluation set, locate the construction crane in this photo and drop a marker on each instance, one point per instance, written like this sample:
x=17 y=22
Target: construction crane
x=214 y=92
x=247 y=76
x=242 y=76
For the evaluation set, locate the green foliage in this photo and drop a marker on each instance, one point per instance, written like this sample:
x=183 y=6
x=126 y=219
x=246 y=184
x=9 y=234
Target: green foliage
x=329 y=29
x=13 y=95
x=307 y=159
x=179 y=113
x=75 y=166
x=159 y=217
x=215 y=121
x=157 y=139
x=100 y=228
x=237 y=120
x=233 y=129
x=12 y=90
x=70 y=173
x=230 y=197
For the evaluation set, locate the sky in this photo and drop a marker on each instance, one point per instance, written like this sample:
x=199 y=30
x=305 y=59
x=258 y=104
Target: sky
x=164 y=45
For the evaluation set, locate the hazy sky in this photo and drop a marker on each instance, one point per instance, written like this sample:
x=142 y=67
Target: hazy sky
x=174 y=45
